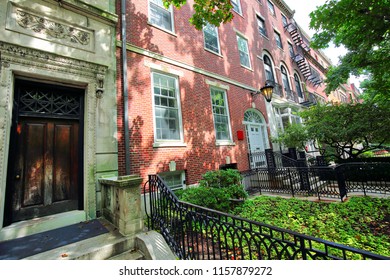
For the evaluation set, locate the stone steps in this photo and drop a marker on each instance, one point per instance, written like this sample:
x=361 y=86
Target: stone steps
x=129 y=255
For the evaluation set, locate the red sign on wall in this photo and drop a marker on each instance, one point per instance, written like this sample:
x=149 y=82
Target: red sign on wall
x=240 y=135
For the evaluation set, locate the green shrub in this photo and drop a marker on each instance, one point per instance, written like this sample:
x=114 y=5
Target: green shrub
x=213 y=198
x=216 y=190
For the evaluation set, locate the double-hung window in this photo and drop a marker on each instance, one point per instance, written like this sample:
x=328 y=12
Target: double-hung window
x=269 y=72
x=271 y=7
x=220 y=114
x=278 y=40
x=160 y=16
x=244 y=51
x=298 y=85
x=284 y=21
x=261 y=25
x=236 y=5
x=211 y=41
x=166 y=108
x=291 y=50
x=285 y=79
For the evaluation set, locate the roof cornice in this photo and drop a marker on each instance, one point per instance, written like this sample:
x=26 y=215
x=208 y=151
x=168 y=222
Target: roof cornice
x=284 y=8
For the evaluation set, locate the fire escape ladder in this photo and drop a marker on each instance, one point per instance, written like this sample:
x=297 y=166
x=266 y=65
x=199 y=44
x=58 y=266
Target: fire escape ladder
x=303 y=65
x=303 y=49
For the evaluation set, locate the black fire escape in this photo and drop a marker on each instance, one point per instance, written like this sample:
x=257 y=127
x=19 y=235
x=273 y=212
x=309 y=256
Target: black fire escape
x=303 y=50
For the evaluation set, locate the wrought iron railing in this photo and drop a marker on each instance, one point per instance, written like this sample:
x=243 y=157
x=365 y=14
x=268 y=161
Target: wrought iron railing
x=330 y=182
x=278 y=89
x=259 y=159
x=291 y=95
x=199 y=233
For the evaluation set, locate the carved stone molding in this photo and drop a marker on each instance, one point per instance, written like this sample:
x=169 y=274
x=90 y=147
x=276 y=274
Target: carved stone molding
x=52 y=28
x=31 y=23
x=26 y=56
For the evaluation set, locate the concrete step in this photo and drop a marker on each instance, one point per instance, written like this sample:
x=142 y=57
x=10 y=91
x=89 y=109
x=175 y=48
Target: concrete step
x=129 y=255
x=100 y=247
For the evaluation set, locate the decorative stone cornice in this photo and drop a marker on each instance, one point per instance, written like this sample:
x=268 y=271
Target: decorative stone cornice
x=284 y=8
x=51 y=28
x=20 y=55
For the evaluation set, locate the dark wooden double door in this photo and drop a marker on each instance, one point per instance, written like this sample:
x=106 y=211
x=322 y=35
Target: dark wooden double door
x=45 y=159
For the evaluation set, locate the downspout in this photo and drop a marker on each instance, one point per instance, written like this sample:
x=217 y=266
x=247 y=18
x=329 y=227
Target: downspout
x=125 y=92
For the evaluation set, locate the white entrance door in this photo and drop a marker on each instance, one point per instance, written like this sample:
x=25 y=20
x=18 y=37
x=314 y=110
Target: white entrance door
x=257 y=137
x=257 y=145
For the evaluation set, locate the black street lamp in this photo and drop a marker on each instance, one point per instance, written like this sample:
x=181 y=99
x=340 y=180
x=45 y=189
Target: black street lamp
x=266 y=91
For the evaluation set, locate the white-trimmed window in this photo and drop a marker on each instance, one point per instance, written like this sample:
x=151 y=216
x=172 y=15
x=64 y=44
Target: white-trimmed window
x=271 y=7
x=220 y=114
x=261 y=25
x=160 y=16
x=268 y=68
x=167 y=114
x=284 y=20
x=236 y=5
x=211 y=40
x=285 y=79
x=297 y=82
x=291 y=50
x=175 y=180
x=285 y=117
x=278 y=40
x=244 y=51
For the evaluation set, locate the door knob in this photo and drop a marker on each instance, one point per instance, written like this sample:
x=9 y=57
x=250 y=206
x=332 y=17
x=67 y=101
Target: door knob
x=17 y=177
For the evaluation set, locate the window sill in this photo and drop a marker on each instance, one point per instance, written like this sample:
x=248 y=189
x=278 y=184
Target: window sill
x=246 y=67
x=168 y=144
x=238 y=13
x=162 y=29
x=225 y=143
x=215 y=53
x=265 y=37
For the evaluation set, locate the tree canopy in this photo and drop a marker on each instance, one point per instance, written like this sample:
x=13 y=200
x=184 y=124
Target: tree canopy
x=206 y=11
x=363 y=28
x=294 y=136
x=348 y=129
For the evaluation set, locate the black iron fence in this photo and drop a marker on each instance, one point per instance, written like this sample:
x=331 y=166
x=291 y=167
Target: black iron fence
x=260 y=159
x=198 y=233
x=320 y=181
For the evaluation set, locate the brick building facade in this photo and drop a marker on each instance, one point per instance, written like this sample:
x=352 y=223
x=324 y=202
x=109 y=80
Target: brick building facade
x=190 y=102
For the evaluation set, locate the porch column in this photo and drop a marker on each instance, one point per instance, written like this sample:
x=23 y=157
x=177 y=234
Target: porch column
x=122 y=203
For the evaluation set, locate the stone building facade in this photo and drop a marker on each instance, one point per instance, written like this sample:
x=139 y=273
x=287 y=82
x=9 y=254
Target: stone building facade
x=57 y=111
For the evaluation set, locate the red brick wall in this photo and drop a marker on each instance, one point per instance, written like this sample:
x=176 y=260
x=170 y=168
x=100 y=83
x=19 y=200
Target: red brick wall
x=186 y=46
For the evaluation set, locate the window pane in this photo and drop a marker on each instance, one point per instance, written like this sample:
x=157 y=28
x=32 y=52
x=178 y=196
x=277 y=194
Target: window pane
x=285 y=80
x=159 y=15
x=278 y=40
x=261 y=25
x=298 y=86
x=166 y=107
x=284 y=20
x=236 y=5
x=174 y=180
x=210 y=35
x=271 y=8
x=221 y=119
x=243 y=51
x=268 y=69
x=291 y=50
